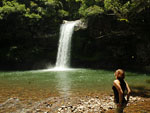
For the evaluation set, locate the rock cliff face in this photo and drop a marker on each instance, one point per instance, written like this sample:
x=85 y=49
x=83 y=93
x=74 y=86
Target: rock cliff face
x=81 y=24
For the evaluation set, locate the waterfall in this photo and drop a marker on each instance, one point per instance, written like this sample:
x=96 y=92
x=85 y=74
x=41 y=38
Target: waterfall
x=63 y=54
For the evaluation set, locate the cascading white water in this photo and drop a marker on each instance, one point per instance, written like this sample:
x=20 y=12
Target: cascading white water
x=63 y=54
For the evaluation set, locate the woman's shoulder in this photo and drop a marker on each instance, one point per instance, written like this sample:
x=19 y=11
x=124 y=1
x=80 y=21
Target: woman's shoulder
x=116 y=81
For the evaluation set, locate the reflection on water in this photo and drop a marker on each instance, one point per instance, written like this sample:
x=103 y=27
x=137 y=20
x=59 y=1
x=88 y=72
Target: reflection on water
x=63 y=84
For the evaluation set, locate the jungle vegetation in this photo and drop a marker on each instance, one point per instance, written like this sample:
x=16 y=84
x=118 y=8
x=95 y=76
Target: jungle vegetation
x=117 y=34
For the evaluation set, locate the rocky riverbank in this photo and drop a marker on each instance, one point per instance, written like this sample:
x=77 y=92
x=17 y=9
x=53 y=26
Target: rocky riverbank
x=85 y=104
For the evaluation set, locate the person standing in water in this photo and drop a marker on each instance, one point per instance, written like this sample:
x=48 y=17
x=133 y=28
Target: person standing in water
x=120 y=86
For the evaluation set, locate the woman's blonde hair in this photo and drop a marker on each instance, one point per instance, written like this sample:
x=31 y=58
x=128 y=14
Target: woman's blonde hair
x=120 y=74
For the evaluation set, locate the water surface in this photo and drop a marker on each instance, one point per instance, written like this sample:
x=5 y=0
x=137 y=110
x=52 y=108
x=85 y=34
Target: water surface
x=35 y=85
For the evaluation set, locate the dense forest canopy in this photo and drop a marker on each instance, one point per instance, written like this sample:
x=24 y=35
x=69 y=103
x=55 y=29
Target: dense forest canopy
x=38 y=9
x=117 y=34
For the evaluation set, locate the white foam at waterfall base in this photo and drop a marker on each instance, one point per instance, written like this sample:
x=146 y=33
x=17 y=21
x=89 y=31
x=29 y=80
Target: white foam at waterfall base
x=59 y=69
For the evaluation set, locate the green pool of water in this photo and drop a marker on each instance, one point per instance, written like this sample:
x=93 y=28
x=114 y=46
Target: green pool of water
x=43 y=84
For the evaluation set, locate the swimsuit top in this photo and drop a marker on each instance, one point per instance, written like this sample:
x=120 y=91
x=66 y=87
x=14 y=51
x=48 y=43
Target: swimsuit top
x=116 y=94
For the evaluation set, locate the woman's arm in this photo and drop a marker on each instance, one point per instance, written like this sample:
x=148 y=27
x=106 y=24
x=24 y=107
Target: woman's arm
x=119 y=89
x=128 y=91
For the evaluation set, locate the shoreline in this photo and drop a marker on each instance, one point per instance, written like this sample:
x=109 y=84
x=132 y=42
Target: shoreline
x=86 y=104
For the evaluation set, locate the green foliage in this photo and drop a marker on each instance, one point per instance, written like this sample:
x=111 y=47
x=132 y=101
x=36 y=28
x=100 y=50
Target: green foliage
x=124 y=10
x=91 y=11
x=32 y=15
x=90 y=8
x=117 y=7
x=30 y=9
x=62 y=13
x=37 y=9
x=11 y=7
x=123 y=19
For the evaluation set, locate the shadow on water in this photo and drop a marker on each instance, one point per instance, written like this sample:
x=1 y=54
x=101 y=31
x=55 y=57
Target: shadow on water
x=133 y=72
x=148 y=81
x=141 y=91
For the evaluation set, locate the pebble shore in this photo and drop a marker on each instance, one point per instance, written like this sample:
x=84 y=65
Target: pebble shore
x=85 y=104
